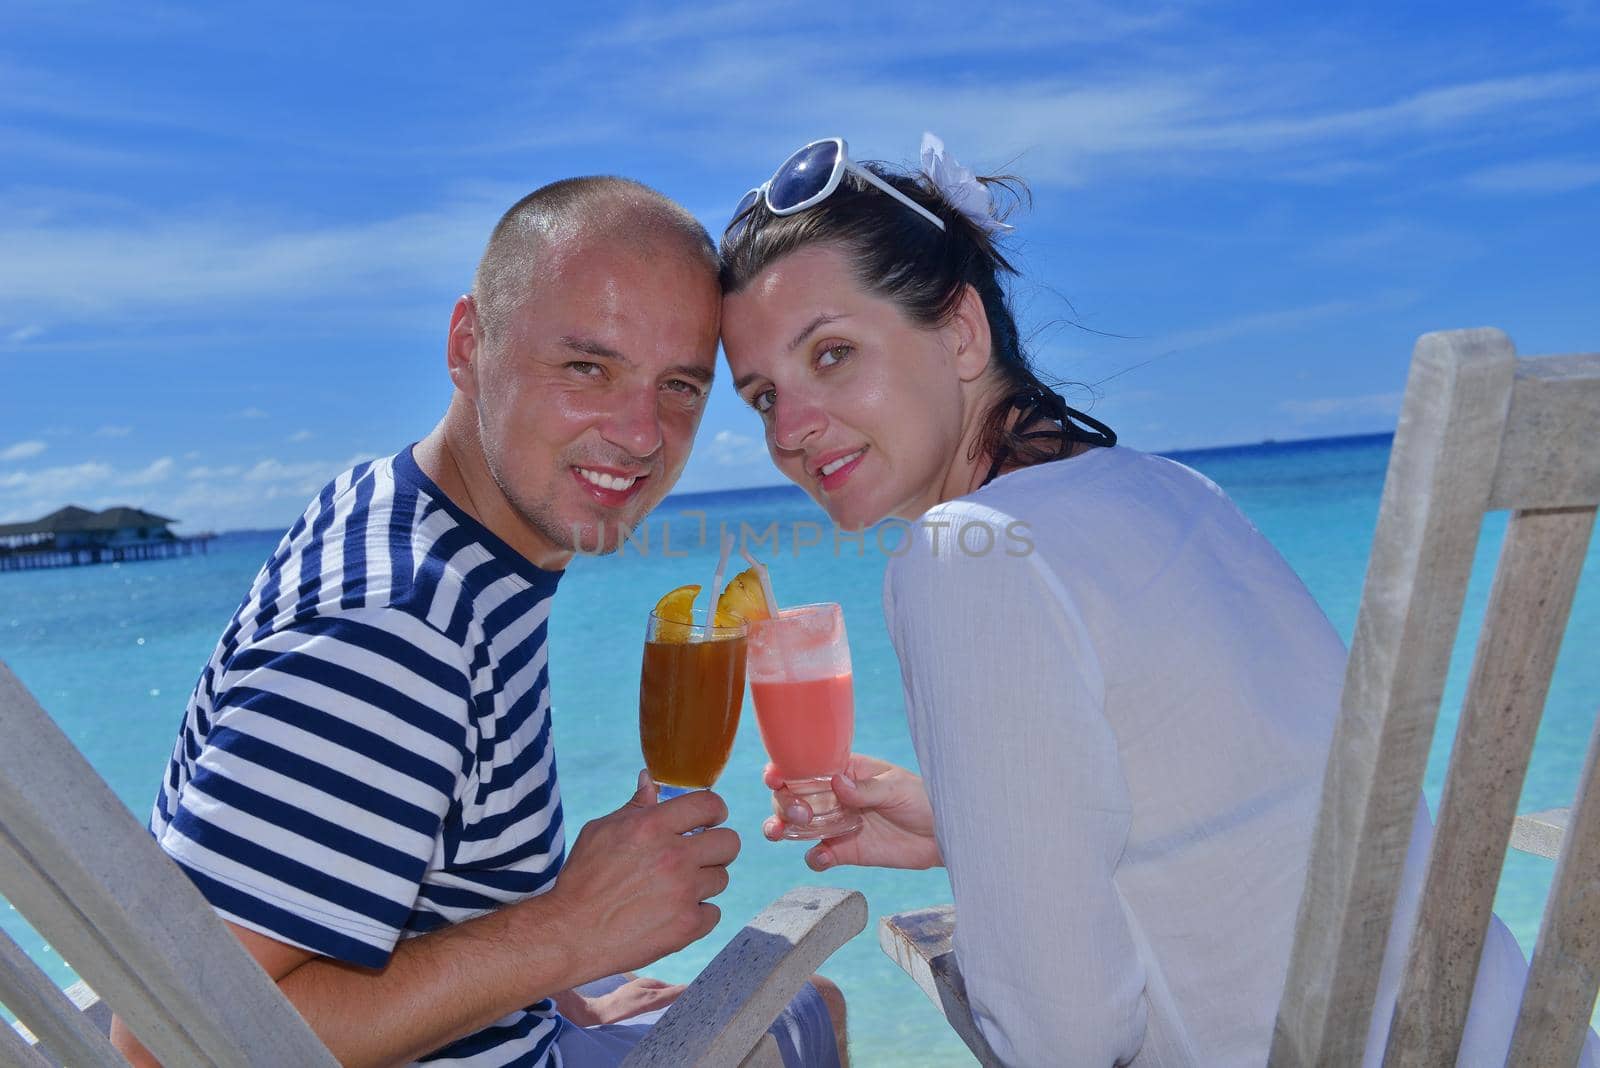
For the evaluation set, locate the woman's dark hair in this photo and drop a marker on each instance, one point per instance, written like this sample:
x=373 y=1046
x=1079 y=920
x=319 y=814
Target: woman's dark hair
x=899 y=256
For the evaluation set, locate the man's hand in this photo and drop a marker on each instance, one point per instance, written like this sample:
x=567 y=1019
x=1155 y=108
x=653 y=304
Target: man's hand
x=896 y=819
x=636 y=883
x=639 y=994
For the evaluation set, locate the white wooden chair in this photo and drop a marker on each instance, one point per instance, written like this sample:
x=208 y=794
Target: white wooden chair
x=1480 y=431
x=91 y=880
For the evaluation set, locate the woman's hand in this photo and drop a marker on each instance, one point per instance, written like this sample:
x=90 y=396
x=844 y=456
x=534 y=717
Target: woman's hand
x=897 y=822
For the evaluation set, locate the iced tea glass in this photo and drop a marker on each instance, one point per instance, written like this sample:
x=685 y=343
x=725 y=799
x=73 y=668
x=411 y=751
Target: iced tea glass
x=800 y=679
x=691 y=687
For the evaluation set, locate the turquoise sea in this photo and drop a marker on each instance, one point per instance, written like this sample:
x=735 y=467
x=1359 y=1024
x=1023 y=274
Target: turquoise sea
x=112 y=652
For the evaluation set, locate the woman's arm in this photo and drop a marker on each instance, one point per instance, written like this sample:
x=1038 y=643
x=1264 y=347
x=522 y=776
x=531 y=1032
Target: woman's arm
x=1030 y=804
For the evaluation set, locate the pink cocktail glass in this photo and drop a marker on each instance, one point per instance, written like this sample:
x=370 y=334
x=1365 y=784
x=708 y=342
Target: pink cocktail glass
x=799 y=671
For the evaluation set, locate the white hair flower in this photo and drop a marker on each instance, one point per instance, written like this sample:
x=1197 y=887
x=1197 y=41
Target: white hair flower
x=958 y=186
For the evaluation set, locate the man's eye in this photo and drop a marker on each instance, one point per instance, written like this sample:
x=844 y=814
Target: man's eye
x=584 y=367
x=763 y=401
x=832 y=355
x=684 y=386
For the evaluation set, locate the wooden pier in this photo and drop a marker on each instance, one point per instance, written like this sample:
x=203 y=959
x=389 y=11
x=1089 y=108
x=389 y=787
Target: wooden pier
x=73 y=537
x=29 y=560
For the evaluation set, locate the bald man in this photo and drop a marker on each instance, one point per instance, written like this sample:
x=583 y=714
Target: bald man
x=364 y=785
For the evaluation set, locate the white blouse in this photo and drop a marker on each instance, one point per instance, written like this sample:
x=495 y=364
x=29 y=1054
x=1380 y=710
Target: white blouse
x=1122 y=710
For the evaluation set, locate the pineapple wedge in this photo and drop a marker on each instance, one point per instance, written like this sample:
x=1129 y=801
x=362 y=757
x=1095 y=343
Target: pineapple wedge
x=741 y=598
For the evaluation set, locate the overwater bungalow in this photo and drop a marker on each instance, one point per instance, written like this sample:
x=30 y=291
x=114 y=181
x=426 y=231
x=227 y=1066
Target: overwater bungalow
x=72 y=536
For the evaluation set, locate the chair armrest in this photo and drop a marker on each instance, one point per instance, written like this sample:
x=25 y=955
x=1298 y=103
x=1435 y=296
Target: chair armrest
x=725 y=1013
x=920 y=942
x=91 y=880
x=1540 y=833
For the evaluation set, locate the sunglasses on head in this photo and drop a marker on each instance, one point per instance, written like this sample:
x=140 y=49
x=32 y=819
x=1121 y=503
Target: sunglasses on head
x=809 y=177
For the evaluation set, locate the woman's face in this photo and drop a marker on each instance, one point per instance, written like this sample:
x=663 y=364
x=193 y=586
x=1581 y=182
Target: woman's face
x=863 y=409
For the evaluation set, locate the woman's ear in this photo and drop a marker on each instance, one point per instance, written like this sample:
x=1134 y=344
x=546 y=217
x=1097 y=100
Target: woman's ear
x=974 y=348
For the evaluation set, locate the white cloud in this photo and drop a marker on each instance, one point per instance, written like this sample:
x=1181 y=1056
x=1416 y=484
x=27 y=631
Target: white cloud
x=301 y=435
x=1536 y=176
x=151 y=473
x=1225 y=114
x=268 y=493
x=224 y=260
x=729 y=449
x=110 y=431
x=1276 y=321
x=1386 y=404
x=1398 y=245
x=1332 y=172
x=251 y=413
x=30 y=494
x=1099 y=121
x=24 y=334
x=1000 y=30
x=203 y=472
x=23 y=450
x=1575 y=13
x=308 y=476
x=1158 y=116
x=727 y=458
x=217 y=497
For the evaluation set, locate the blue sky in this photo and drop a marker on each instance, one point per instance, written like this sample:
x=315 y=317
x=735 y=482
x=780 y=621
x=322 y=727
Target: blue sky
x=230 y=238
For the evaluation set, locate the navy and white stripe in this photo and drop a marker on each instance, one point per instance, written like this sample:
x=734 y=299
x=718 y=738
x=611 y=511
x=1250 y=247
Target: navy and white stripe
x=367 y=754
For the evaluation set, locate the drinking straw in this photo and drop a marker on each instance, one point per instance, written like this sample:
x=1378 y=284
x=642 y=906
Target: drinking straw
x=716 y=579
x=766 y=581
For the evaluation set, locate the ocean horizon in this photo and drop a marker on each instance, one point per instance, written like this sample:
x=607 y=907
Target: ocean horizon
x=112 y=651
x=1183 y=456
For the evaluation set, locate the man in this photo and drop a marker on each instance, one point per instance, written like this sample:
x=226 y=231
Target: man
x=364 y=785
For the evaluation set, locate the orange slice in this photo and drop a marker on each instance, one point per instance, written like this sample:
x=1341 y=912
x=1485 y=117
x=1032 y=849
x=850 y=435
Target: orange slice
x=678 y=605
x=741 y=598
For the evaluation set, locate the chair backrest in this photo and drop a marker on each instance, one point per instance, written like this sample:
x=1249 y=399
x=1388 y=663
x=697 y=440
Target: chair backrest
x=1480 y=430
x=94 y=884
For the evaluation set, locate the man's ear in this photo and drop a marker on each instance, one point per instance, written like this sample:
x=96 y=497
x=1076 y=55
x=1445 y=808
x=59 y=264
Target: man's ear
x=974 y=348
x=464 y=345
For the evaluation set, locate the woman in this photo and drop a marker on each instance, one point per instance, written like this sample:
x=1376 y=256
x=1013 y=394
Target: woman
x=1120 y=695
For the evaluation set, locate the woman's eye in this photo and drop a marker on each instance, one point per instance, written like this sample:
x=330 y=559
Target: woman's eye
x=832 y=355
x=763 y=401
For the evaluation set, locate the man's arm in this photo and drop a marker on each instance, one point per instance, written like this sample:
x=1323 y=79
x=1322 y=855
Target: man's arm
x=632 y=891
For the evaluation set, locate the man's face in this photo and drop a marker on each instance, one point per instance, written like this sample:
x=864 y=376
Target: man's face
x=590 y=391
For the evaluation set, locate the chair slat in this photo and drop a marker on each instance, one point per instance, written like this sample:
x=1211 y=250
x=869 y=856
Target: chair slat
x=1531 y=599
x=1564 y=976
x=1548 y=458
x=90 y=879
x=52 y=1017
x=1440 y=470
x=16 y=1053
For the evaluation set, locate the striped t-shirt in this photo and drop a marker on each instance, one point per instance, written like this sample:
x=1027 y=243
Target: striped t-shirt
x=367 y=755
